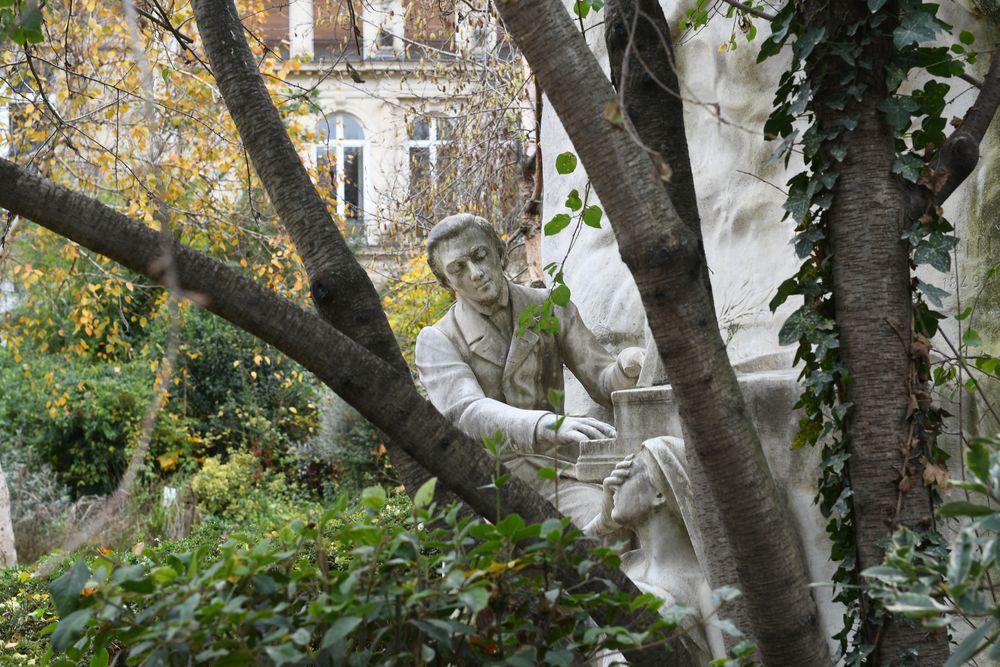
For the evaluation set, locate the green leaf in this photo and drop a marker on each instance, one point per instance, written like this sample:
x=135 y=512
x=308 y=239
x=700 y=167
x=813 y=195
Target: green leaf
x=100 y=658
x=964 y=508
x=970 y=646
x=988 y=365
x=916 y=603
x=547 y=473
x=284 y=654
x=964 y=314
x=908 y=166
x=475 y=599
x=966 y=37
x=69 y=629
x=886 y=573
x=934 y=294
x=971 y=338
x=573 y=201
x=425 y=494
x=915 y=27
x=898 y=111
x=807 y=41
x=560 y=295
x=592 y=216
x=875 y=5
x=804 y=322
x=566 y=163
x=340 y=629
x=373 y=496
x=559 y=222
x=66 y=589
x=960 y=561
x=936 y=251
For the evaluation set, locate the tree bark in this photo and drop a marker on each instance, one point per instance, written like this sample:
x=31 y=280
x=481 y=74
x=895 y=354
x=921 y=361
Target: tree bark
x=386 y=398
x=872 y=297
x=8 y=555
x=667 y=261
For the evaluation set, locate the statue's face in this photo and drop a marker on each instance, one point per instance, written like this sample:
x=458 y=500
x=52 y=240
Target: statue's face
x=472 y=267
x=637 y=496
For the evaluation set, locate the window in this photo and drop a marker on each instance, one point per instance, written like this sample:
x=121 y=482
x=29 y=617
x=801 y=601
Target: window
x=340 y=152
x=430 y=150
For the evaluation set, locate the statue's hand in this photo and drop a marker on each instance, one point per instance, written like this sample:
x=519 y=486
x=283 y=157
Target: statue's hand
x=572 y=429
x=630 y=361
x=610 y=485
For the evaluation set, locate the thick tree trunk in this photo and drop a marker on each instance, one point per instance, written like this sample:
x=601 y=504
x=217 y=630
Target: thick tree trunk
x=386 y=398
x=872 y=301
x=643 y=71
x=667 y=261
x=8 y=555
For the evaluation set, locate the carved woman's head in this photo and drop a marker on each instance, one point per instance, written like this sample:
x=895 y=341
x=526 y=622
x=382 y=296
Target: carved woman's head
x=647 y=490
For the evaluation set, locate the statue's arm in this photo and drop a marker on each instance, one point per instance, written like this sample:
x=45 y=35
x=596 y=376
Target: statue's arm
x=595 y=368
x=456 y=393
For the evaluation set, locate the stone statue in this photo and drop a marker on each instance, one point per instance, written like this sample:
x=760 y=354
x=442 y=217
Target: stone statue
x=484 y=377
x=649 y=494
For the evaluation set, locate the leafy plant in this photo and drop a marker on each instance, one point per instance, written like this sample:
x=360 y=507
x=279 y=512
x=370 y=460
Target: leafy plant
x=440 y=589
x=927 y=579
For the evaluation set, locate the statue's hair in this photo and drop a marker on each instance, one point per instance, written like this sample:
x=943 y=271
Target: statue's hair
x=451 y=227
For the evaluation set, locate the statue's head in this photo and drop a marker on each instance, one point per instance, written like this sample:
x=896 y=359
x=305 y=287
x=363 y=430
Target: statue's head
x=468 y=257
x=647 y=490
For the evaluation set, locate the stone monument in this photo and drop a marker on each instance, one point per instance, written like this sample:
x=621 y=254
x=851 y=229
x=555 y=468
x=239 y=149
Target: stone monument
x=485 y=378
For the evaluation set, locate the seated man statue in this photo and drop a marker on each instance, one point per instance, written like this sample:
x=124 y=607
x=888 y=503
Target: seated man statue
x=484 y=377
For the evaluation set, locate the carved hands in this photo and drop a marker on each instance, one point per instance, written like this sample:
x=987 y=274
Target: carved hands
x=572 y=429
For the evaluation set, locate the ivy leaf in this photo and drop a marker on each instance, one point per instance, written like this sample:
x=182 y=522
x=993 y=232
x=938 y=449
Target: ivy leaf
x=908 y=166
x=798 y=201
x=898 y=110
x=875 y=5
x=565 y=163
x=803 y=323
x=934 y=294
x=915 y=27
x=807 y=41
x=936 y=251
x=573 y=201
x=559 y=222
x=592 y=216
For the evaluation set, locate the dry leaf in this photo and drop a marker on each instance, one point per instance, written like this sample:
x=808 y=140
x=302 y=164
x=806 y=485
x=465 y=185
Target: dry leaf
x=613 y=113
x=933 y=179
x=139 y=546
x=937 y=474
x=906 y=484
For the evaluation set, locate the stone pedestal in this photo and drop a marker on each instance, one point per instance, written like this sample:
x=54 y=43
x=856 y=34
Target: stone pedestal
x=770 y=395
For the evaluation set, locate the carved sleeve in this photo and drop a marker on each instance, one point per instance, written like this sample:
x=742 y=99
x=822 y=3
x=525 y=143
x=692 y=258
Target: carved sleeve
x=595 y=368
x=457 y=394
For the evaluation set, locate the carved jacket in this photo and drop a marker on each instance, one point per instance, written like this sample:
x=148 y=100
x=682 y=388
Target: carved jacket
x=483 y=382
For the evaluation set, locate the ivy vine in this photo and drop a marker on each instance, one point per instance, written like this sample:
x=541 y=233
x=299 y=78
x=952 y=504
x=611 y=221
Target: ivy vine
x=829 y=73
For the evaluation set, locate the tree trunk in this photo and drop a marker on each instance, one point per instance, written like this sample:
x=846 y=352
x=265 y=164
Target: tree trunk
x=8 y=555
x=667 y=261
x=341 y=290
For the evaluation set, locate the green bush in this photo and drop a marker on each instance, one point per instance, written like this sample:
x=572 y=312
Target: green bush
x=441 y=589
x=82 y=418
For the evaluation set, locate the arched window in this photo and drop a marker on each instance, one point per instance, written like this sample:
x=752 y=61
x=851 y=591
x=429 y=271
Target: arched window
x=340 y=152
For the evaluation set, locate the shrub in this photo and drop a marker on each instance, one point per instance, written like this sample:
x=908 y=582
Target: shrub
x=441 y=589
